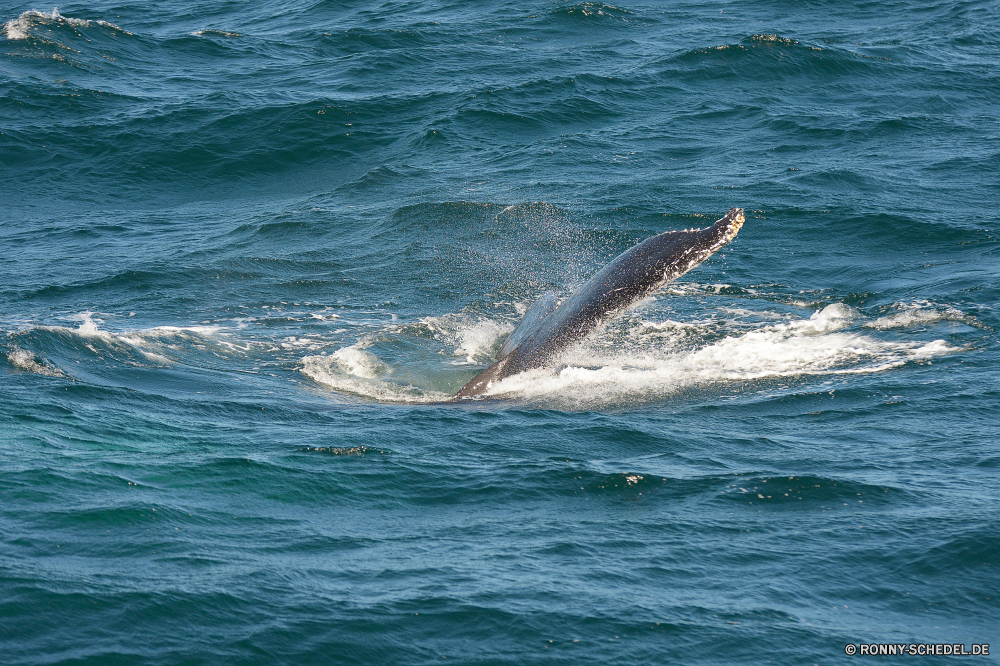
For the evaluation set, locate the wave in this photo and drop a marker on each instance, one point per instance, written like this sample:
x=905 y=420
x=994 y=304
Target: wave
x=353 y=371
x=23 y=359
x=461 y=339
x=642 y=361
x=633 y=360
x=810 y=492
x=33 y=24
x=55 y=351
x=597 y=14
x=816 y=347
x=215 y=33
x=919 y=314
x=770 y=58
x=357 y=40
x=138 y=142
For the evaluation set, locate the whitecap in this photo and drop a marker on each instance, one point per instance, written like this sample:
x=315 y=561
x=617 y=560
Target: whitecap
x=919 y=313
x=474 y=340
x=651 y=366
x=25 y=360
x=355 y=371
x=478 y=339
x=20 y=27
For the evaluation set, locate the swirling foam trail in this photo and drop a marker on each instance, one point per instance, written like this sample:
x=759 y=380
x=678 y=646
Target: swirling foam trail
x=816 y=346
x=650 y=360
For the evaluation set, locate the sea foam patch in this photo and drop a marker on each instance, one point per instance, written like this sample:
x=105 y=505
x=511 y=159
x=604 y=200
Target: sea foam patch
x=21 y=27
x=471 y=340
x=478 y=339
x=356 y=371
x=26 y=360
x=159 y=345
x=459 y=339
x=634 y=358
x=918 y=313
x=651 y=366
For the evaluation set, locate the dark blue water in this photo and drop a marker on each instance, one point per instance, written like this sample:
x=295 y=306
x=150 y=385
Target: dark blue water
x=248 y=248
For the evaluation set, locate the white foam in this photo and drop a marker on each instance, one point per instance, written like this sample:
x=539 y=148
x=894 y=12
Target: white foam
x=474 y=339
x=88 y=327
x=19 y=28
x=311 y=342
x=148 y=342
x=357 y=362
x=637 y=359
x=353 y=370
x=21 y=358
x=633 y=359
x=919 y=313
x=816 y=346
x=477 y=340
x=180 y=330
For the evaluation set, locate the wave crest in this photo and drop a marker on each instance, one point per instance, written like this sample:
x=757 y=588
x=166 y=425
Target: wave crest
x=24 y=25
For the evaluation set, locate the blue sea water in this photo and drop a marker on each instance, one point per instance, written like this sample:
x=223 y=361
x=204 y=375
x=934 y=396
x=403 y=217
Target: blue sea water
x=248 y=249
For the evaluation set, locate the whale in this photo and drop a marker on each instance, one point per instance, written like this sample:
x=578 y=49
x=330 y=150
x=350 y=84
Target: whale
x=550 y=327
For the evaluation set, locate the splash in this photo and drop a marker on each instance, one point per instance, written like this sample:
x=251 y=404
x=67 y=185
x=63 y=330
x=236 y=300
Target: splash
x=357 y=370
x=359 y=363
x=636 y=359
x=88 y=327
x=650 y=366
x=920 y=313
x=21 y=27
x=25 y=360
x=477 y=340
x=474 y=340
x=157 y=346
x=353 y=370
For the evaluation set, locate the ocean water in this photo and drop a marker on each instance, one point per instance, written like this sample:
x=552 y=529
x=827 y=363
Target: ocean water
x=249 y=250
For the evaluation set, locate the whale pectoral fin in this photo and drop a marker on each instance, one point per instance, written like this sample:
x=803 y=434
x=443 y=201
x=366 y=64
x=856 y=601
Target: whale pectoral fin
x=532 y=319
x=546 y=330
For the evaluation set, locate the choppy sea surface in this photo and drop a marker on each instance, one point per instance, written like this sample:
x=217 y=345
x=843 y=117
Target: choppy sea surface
x=249 y=250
